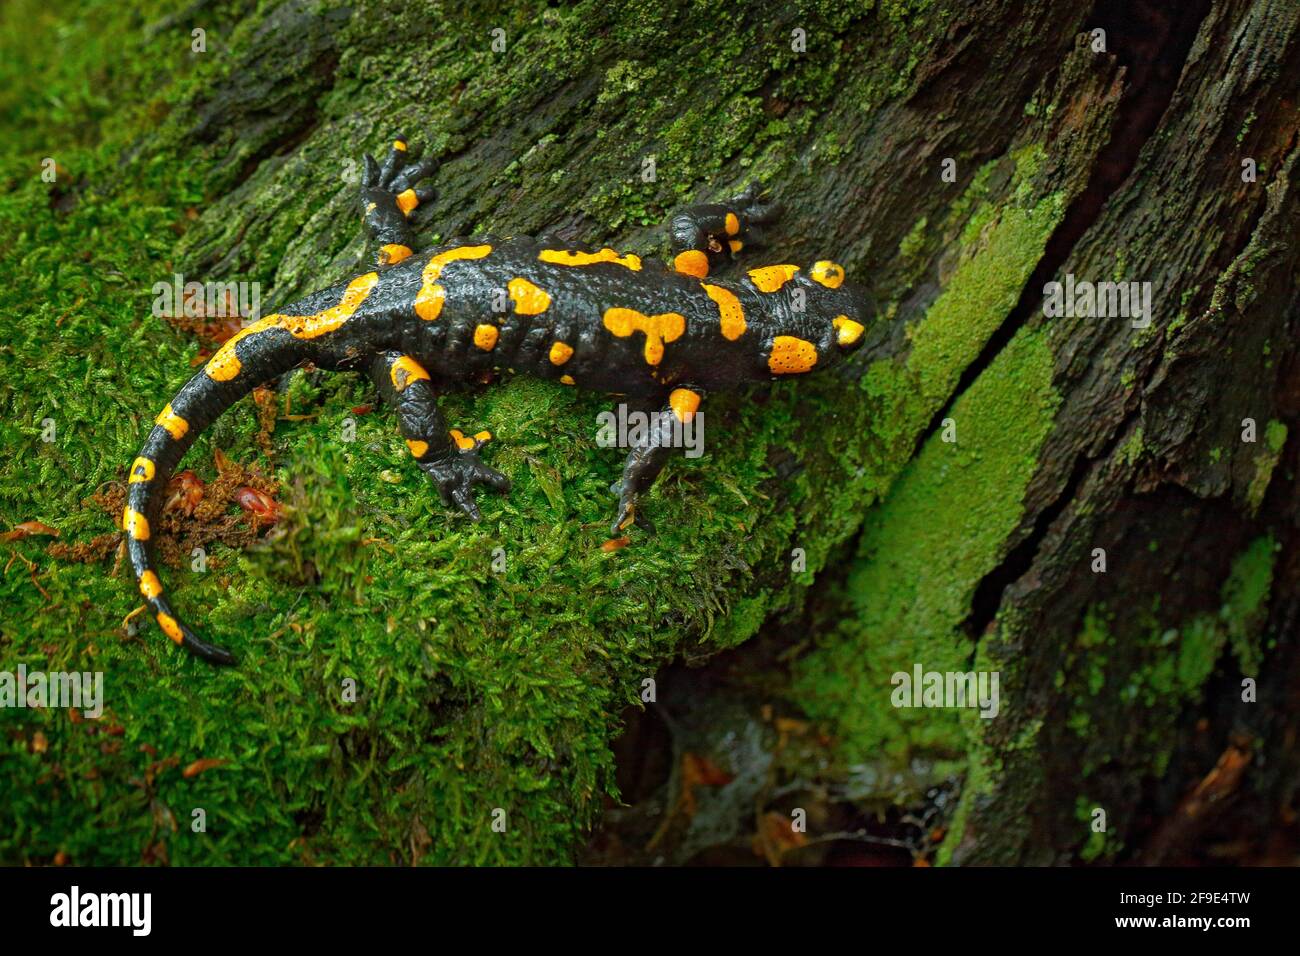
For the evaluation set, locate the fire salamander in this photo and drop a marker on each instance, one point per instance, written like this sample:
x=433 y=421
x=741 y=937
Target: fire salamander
x=595 y=319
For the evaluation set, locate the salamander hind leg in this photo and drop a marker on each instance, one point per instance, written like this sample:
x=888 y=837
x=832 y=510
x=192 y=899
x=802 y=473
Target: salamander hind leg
x=389 y=196
x=449 y=458
x=671 y=427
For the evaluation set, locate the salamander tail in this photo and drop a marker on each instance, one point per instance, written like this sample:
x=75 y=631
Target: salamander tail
x=195 y=406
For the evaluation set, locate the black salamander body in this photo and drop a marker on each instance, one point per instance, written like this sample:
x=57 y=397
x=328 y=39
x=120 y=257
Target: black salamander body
x=594 y=319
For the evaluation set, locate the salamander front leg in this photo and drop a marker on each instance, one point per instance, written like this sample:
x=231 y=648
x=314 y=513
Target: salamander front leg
x=388 y=198
x=647 y=457
x=447 y=457
x=708 y=236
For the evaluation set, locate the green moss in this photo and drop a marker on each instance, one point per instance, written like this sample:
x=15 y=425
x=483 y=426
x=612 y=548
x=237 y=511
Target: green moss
x=913 y=241
x=1275 y=433
x=1118 y=663
x=923 y=551
x=1101 y=844
x=1245 y=127
x=1004 y=764
x=1245 y=602
x=908 y=607
x=1131 y=450
x=979 y=780
x=998 y=260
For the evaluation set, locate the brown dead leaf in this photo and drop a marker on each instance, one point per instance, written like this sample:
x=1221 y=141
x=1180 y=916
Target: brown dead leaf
x=28 y=528
x=776 y=836
x=699 y=771
x=221 y=460
x=257 y=503
x=420 y=840
x=198 y=766
x=178 y=532
x=184 y=492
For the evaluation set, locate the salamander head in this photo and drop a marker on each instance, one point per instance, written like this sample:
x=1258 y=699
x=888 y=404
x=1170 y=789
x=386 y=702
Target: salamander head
x=823 y=318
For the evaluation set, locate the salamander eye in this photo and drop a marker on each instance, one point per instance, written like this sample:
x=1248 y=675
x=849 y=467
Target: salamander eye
x=829 y=274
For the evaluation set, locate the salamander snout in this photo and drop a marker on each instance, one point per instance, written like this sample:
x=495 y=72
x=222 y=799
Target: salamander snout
x=844 y=307
x=825 y=318
x=850 y=323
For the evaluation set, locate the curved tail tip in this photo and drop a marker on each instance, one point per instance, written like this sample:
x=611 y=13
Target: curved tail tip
x=209 y=652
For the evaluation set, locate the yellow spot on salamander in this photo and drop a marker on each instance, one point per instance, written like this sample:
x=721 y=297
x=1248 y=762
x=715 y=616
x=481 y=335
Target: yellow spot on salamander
x=225 y=364
x=658 y=329
x=142 y=469
x=567 y=380
x=418 y=448
x=566 y=257
x=405 y=371
x=829 y=274
x=312 y=326
x=135 y=524
x=173 y=423
x=684 y=403
x=170 y=627
x=429 y=300
x=399 y=145
x=736 y=245
x=485 y=337
x=406 y=201
x=771 y=278
x=692 y=262
x=528 y=298
x=465 y=444
x=150 y=586
x=732 y=224
x=847 y=332
x=791 y=355
x=391 y=253
x=730 y=314
x=561 y=352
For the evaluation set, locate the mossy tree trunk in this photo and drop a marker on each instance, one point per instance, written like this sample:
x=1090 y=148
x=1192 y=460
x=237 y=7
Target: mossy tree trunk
x=955 y=158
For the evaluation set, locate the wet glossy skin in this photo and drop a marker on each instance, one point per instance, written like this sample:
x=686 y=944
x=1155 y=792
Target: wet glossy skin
x=569 y=304
x=591 y=318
